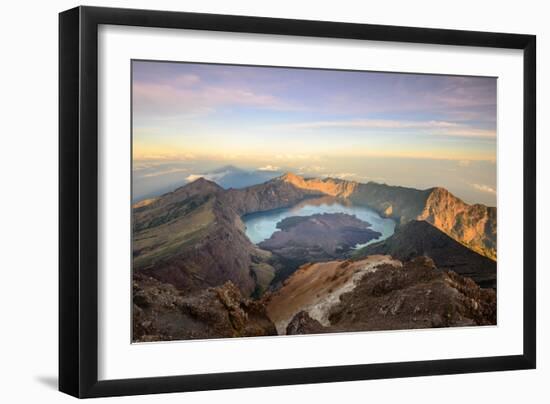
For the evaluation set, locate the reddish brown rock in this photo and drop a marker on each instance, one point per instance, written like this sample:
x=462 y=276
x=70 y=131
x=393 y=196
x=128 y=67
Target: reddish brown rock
x=302 y=323
x=472 y=225
x=416 y=295
x=161 y=312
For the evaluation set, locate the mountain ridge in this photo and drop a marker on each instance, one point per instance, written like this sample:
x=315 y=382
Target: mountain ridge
x=472 y=225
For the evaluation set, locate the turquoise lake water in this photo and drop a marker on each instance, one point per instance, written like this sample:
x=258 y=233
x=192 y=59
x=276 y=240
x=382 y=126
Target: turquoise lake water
x=260 y=226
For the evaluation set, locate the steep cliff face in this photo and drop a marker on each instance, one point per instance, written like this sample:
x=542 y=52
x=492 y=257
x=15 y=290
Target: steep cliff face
x=327 y=186
x=273 y=194
x=161 y=312
x=472 y=225
x=400 y=203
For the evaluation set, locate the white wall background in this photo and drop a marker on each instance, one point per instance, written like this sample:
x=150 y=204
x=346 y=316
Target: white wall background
x=28 y=202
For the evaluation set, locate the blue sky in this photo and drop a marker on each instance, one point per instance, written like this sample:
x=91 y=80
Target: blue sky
x=288 y=117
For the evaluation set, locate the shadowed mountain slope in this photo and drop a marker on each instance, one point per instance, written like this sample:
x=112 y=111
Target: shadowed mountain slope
x=189 y=238
x=420 y=238
x=273 y=194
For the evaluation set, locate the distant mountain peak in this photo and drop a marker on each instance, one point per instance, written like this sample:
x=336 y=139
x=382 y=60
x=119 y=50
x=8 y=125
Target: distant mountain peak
x=291 y=177
x=202 y=181
x=440 y=192
x=201 y=185
x=226 y=168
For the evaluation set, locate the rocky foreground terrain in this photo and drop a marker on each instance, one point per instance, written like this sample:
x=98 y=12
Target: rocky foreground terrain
x=378 y=294
x=375 y=293
x=161 y=312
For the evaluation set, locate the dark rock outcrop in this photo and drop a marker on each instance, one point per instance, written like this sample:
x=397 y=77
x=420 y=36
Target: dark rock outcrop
x=416 y=295
x=161 y=312
x=302 y=323
x=420 y=238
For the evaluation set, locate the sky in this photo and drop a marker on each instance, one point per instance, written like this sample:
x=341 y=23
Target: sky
x=426 y=130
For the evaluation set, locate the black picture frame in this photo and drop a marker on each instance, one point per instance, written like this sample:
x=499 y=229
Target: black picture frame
x=78 y=200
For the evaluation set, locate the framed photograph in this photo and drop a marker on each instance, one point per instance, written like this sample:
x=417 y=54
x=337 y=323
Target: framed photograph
x=251 y=201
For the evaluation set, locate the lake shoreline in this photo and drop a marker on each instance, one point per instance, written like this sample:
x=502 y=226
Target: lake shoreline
x=260 y=226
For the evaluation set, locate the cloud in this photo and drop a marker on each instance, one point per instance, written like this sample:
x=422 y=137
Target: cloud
x=142 y=157
x=194 y=177
x=165 y=172
x=187 y=99
x=464 y=163
x=342 y=176
x=296 y=157
x=373 y=124
x=464 y=92
x=470 y=132
x=485 y=188
x=462 y=98
x=269 y=167
x=210 y=176
x=310 y=169
x=431 y=127
x=142 y=166
x=186 y=80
